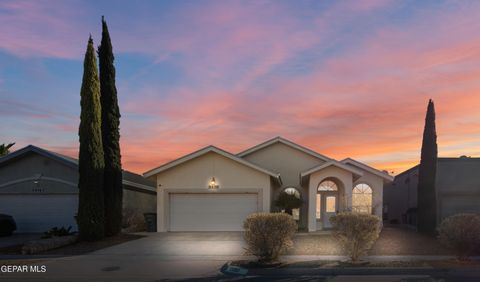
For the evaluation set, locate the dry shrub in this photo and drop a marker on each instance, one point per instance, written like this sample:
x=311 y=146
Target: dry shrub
x=133 y=221
x=461 y=234
x=269 y=234
x=356 y=232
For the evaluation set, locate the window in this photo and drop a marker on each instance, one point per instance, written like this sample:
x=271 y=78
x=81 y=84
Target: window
x=296 y=193
x=362 y=198
x=330 y=204
x=319 y=208
x=327 y=185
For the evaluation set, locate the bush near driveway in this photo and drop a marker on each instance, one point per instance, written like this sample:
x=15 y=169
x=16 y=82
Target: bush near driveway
x=356 y=232
x=461 y=233
x=269 y=234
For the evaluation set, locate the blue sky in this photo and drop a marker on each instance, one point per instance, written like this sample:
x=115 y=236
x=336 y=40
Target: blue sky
x=345 y=78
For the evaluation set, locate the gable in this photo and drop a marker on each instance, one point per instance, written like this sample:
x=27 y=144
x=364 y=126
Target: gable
x=197 y=172
x=286 y=160
x=22 y=173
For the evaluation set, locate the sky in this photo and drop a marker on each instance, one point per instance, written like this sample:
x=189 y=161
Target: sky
x=344 y=78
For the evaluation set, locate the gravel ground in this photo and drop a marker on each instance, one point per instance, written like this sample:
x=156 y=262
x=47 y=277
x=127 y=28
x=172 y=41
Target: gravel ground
x=392 y=241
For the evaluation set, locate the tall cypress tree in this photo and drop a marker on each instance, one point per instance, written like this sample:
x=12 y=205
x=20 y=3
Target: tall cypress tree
x=426 y=195
x=110 y=136
x=91 y=218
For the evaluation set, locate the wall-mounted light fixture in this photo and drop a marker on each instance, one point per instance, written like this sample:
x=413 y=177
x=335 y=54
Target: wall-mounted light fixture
x=213 y=185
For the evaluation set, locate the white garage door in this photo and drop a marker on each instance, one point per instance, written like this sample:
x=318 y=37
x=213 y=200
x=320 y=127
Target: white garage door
x=210 y=212
x=39 y=213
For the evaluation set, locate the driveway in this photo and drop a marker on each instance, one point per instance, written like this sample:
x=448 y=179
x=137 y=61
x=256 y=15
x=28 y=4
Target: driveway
x=159 y=255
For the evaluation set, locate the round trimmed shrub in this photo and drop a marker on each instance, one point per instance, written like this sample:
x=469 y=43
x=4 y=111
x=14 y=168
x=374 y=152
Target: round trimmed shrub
x=356 y=232
x=461 y=234
x=268 y=235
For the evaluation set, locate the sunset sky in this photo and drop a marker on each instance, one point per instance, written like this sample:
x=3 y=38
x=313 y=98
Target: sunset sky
x=344 y=78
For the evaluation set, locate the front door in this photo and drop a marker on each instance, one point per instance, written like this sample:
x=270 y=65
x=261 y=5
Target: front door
x=328 y=208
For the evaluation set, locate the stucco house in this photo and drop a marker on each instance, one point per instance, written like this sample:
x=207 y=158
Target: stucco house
x=214 y=190
x=39 y=189
x=457 y=185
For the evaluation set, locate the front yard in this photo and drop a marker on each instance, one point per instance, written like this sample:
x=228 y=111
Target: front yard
x=392 y=241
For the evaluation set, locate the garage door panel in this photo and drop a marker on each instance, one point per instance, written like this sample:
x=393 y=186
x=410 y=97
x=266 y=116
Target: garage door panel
x=210 y=212
x=39 y=213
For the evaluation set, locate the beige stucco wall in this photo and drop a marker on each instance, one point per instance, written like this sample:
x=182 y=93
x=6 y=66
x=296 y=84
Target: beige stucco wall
x=194 y=175
x=342 y=177
x=376 y=183
x=289 y=162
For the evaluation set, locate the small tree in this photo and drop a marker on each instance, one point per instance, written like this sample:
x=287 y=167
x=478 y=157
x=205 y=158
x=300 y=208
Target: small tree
x=356 y=232
x=269 y=234
x=461 y=234
x=4 y=149
x=288 y=202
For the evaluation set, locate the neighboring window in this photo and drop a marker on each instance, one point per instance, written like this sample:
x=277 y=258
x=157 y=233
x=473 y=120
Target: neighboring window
x=327 y=185
x=362 y=198
x=319 y=208
x=296 y=193
x=330 y=204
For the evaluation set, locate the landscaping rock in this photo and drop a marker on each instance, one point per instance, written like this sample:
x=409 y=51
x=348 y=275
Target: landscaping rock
x=38 y=246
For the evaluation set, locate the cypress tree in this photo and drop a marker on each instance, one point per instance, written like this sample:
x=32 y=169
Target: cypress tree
x=110 y=136
x=91 y=218
x=426 y=195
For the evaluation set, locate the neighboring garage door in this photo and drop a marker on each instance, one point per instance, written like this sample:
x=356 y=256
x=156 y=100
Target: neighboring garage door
x=210 y=212
x=39 y=213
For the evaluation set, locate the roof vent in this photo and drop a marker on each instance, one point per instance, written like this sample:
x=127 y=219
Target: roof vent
x=464 y=157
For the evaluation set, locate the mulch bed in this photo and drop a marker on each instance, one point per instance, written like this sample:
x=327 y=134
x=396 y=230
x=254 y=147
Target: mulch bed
x=392 y=241
x=78 y=248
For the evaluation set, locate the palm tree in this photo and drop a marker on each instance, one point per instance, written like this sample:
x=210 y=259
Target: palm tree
x=4 y=149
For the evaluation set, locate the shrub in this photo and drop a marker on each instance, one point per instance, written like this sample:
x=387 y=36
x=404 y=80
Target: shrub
x=269 y=234
x=356 y=232
x=461 y=233
x=133 y=221
x=57 y=232
x=288 y=202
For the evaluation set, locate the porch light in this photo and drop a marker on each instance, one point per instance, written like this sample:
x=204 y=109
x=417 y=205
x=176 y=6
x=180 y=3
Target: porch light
x=213 y=185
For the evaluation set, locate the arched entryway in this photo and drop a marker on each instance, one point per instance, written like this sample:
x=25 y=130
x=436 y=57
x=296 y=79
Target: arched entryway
x=327 y=201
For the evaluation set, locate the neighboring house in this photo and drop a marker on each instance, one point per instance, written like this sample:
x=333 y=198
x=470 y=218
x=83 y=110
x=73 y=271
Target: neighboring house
x=39 y=189
x=457 y=184
x=214 y=190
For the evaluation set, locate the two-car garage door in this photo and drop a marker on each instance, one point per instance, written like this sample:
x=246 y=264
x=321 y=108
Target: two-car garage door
x=210 y=212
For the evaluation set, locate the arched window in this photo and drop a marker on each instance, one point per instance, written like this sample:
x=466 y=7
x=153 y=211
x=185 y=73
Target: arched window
x=362 y=198
x=327 y=185
x=294 y=191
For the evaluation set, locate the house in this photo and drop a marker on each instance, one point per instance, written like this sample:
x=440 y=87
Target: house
x=457 y=185
x=214 y=190
x=39 y=189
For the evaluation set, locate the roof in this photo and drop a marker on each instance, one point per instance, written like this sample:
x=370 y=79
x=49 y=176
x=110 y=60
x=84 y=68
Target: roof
x=204 y=151
x=331 y=163
x=384 y=175
x=128 y=178
x=447 y=159
x=284 y=141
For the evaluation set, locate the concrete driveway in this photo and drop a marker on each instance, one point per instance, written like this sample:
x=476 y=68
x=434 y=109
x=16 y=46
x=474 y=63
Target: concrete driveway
x=178 y=255
x=174 y=244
